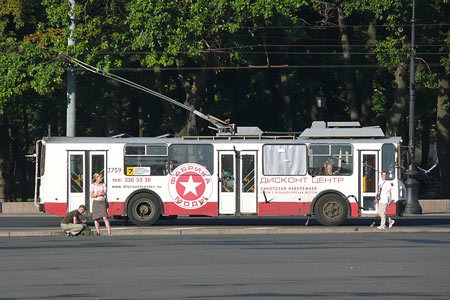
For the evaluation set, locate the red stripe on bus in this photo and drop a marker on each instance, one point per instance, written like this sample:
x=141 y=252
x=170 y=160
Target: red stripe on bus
x=116 y=208
x=354 y=212
x=209 y=209
x=283 y=208
x=59 y=209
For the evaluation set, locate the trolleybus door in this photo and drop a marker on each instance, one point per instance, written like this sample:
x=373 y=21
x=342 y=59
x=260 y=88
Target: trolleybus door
x=76 y=167
x=80 y=175
x=237 y=184
x=368 y=181
x=248 y=200
x=97 y=164
x=227 y=182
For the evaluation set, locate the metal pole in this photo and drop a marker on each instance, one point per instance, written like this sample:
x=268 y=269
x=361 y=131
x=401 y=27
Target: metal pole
x=412 y=185
x=71 y=79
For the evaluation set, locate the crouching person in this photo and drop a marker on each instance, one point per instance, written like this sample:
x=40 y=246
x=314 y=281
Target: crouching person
x=72 y=224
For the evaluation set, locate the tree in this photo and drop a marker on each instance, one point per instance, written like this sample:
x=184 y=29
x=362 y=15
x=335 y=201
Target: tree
x=259 y=63
x=26 y=74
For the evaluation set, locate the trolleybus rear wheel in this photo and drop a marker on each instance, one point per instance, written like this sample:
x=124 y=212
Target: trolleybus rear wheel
x=144 y=210
x=331 y=210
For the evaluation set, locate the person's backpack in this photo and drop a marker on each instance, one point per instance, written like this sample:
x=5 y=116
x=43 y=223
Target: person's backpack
x=86 y=231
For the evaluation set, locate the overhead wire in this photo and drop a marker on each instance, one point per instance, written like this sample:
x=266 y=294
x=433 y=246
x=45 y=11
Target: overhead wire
x=223 y=50
x=221 y=126
x=320 y=26
x=130 y=83
x=250 y=67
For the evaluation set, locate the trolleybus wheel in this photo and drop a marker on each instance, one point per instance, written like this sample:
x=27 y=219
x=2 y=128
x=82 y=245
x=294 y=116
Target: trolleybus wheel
x=144 y=210
x=331 y=210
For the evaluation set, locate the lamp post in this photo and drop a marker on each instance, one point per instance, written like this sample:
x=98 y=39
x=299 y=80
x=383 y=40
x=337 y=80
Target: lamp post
x=71 y=79
x=412 y=185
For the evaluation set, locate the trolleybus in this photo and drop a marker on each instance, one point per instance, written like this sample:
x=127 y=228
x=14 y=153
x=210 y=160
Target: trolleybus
x=330 y=171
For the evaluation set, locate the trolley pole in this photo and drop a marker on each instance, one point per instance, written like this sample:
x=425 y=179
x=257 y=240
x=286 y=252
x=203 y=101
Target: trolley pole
x=71 y=79
x=412 y=185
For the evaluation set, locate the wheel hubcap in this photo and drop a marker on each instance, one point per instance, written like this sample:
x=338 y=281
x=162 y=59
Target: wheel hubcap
x=332 y=210
x=143 y=210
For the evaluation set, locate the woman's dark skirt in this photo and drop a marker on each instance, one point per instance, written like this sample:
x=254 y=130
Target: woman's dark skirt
x=99 y=209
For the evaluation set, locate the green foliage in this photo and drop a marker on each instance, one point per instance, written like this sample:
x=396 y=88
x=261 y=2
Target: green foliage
x=231 y=54
x=395 y=48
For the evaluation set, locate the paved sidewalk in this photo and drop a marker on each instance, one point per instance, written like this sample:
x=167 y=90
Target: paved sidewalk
x=48 y=225
x=230 y=230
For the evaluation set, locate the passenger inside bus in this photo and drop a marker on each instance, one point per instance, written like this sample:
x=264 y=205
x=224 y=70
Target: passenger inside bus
x=227 y=181
x=318 y=171
x=329 y=167
x=168 y=168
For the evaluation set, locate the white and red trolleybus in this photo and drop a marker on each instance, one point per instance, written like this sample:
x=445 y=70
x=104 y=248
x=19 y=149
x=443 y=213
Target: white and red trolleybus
x=330 y=171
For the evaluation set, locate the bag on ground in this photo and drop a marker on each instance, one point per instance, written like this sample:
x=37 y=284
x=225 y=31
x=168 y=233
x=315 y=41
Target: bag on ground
x=86 y=231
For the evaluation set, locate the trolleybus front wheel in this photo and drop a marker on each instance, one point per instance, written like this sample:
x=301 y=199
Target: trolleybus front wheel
x=144 y=210
x=331 y=210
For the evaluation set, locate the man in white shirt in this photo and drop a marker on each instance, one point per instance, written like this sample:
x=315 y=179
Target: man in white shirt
x=385 y=199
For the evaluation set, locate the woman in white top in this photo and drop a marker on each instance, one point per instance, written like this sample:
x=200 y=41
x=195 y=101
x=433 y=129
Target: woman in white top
x=385 y=199
x=98 y=195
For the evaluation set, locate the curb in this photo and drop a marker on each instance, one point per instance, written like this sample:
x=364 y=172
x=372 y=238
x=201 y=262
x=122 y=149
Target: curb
x=237 y=231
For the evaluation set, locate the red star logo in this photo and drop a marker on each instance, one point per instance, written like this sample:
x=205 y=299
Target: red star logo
x=190 y=186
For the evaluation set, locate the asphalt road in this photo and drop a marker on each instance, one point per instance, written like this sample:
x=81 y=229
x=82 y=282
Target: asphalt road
x=324 y=266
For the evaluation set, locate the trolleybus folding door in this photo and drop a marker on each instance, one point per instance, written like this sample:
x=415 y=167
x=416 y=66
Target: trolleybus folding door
x=227 y=182
x=368 y=181
x=248 y=196
x=77 y=187
x=97 y=164
x=237 y=184
x=80 y=175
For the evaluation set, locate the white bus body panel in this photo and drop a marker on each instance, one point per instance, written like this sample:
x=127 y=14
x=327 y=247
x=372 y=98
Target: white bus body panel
x=264 y=195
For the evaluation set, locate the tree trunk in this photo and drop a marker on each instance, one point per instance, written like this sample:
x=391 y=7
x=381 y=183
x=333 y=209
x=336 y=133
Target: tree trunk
x=443 y=136
x=140 y=119
x=312 y=112
x=26 y=190
x=136 y=123
x=349 y=75
x=366 y=105
x=113 y=110
x=396 y=112
x=4 y=157
x=192 y=88
x=2 y=182
x=209 y=102
x=167 y=107
x=286 y=104
x=425 y=137
x=191 y=100
x=12 y=165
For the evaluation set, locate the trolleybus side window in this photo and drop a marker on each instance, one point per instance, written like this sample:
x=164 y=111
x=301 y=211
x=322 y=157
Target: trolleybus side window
x=284 y=160
x=248 y=173
x=201 y=154
x=388 y=160
x=330 y=159
x=142 y=160
x=226 y=173
x=76 y=174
